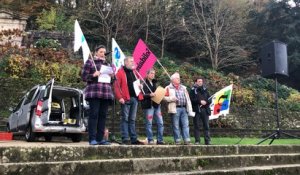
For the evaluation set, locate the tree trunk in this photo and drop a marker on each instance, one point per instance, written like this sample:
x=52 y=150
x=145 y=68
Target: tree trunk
x=147 y=22
x=147 y=28
x=162 y=48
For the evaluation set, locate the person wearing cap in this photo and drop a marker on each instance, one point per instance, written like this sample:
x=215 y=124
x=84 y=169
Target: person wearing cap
x=200 y=102
x=152 y=110
x=98 y=94
x=179 y=108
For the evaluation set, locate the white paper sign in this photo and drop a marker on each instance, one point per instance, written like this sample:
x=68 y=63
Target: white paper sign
x=136 y=87
x=105 y=72
x=104 y=78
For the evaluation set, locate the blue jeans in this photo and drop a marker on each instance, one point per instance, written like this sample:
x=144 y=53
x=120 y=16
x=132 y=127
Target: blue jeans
x=180 y=123
x=97 y=118
x=128 y=117
x=150 y=114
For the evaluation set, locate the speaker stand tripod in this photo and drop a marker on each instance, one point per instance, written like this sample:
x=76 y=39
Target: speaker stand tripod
x=278 y=133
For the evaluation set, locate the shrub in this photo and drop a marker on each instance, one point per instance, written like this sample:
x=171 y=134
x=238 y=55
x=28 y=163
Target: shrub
x=47 y=43
x=54 y=20
x=264 y=98
x=258 y=82
x=243 y=97
x=49 y=70
x=70 y=74
x=3 y=66
x=17 y=66
x=293 y=101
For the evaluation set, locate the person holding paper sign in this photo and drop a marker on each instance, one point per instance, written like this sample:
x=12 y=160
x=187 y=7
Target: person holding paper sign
x=179 y=107
x=126 y=95
x=98 y=94
x=152 y=109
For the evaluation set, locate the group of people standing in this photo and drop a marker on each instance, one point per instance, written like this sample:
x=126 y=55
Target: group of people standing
x=181 y=103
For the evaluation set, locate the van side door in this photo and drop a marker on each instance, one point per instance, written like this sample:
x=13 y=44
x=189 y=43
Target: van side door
x=13 y=123
x=26 y=107
x=47 y=99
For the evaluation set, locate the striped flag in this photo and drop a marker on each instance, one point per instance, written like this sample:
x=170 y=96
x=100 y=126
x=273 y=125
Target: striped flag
x=118 y=56
x=80 y=41
x=220 y=103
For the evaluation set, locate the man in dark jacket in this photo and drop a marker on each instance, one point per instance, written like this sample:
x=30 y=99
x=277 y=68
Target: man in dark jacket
x=125 y=94
x=151 y=109
x=200 y=102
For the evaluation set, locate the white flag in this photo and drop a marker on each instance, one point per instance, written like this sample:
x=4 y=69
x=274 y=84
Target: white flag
x=118 y=56
x=220 y=102
x=80 y=41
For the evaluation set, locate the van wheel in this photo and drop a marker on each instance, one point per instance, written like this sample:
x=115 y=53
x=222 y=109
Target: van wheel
x=48 y=138
x=29 y=135
x=76 y=137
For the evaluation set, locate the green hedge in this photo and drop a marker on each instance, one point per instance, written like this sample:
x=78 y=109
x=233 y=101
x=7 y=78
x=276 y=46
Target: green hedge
x=20 y=69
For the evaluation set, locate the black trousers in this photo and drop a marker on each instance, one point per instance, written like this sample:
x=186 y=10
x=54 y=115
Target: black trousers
x=97 y=118
x=201 y=117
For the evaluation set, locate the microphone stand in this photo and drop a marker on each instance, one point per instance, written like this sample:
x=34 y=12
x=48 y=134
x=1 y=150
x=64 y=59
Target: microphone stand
x=112 y=137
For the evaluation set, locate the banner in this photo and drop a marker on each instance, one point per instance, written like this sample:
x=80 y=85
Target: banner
x=220 y=102
x=117 y=56
x=160 y=92
x=80 y=41
x=143 y=58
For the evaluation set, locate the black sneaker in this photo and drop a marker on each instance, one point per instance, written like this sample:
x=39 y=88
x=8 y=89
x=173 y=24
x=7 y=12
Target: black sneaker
x=103 y=142
x=126 y=142
x=187 y=142
x=137 y=143
x=160 y=143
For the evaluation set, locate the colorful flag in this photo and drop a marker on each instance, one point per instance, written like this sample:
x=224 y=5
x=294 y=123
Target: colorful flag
x=80 y=41
x=143 y=58
x=118 y=56
x=220 y=102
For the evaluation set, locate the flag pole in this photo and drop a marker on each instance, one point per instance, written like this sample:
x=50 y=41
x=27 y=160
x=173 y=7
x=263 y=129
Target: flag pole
x=93 y=61
x=163 y=68
x=143 y=81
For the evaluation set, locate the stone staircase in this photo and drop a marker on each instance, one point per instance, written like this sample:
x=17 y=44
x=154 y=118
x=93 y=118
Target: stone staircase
x=165 y=159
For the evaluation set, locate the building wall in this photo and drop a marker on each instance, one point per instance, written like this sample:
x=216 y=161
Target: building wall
x=10 y=21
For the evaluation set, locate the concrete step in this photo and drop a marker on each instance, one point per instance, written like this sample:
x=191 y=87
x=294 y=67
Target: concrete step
x=44 y=151
x=150 y=165
x=292 y=169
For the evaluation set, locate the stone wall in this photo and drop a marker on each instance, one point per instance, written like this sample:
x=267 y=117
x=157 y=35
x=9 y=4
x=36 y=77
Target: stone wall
x=65 y=39
x=262 y=118
x=9 y=21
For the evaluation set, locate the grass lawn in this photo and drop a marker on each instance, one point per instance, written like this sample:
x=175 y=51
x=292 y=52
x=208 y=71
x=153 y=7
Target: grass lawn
x=252 y=141
x=240 y=141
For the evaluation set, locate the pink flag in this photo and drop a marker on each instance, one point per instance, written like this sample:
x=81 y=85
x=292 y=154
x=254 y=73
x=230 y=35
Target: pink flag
x=143 y=58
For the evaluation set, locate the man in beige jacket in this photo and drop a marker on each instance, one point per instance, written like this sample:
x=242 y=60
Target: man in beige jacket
x=179 y=107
